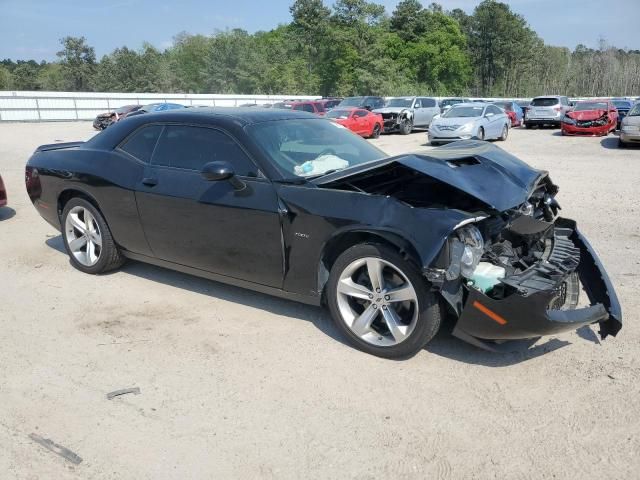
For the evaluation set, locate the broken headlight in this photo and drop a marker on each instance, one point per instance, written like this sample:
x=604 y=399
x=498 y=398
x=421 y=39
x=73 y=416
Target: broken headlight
x=473 y=243
x=568 y=120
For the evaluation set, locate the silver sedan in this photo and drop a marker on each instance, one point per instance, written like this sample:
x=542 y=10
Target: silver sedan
x=464 y=121
x=630 y=127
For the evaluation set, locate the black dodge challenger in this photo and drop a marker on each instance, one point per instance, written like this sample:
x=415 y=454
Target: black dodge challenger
x=296 y=206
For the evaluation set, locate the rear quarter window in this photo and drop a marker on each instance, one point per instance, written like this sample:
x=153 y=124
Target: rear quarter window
x=141 y=144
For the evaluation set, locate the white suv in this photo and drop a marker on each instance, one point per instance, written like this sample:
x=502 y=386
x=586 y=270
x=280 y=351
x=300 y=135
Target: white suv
x=547 y=110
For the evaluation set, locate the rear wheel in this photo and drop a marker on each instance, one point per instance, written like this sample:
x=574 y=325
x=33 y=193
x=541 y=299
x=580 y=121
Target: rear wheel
x=376 y=131
x=87 y=238
x=527 y=125
x=381 y=302
x=621 y=144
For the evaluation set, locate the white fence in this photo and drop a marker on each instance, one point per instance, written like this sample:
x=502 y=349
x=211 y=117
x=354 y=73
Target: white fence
x=68 y=106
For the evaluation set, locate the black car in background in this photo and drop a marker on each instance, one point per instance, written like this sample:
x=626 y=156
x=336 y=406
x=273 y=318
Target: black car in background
x=293 y=205
x=622 y=106
x=367 y=102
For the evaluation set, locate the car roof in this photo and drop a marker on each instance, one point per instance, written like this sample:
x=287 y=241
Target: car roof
x=244 y=115
x=472 y=104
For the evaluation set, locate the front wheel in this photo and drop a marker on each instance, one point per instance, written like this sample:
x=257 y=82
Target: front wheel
x=381 y=302
x=405 y=127
x=87 y=238
x=505 y=133
x=480 y=134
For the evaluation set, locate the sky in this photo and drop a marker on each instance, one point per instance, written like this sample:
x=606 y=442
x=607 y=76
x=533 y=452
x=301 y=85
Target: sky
x=31 y=29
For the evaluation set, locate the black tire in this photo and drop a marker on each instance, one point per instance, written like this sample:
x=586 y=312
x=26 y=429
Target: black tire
x=428 y=311
x=481 y=134
x=527 y=125
x=621 y=144
x=406 y=127
x=435 y=144
x=505 y=133
x=109 y=257
x=376 y=131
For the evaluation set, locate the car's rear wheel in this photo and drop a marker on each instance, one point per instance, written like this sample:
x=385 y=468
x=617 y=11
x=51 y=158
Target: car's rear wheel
x=621 y=144
x=87 y=238
x=376 y=131
x=504 y=134
x=381 y=302
x=527 y=125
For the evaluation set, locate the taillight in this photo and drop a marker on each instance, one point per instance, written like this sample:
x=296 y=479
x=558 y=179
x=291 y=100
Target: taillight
x=32 y=182
x=557 y=109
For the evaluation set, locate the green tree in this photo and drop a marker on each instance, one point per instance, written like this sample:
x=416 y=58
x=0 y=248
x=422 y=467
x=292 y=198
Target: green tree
x=6 y=79
x=78 y=61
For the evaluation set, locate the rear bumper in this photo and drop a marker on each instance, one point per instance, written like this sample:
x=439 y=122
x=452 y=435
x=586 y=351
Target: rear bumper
x=542 y=121
x=519 y=317
x=630 y=137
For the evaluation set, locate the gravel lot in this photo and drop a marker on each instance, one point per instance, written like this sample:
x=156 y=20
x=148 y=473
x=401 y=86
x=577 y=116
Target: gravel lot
x=235 y=384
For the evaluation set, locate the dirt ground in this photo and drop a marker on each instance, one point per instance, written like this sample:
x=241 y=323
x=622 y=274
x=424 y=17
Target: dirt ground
x=235 y=384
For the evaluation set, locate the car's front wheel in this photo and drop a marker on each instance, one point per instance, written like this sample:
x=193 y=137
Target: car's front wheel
x=505 y=133
x=381 y=302
x=87 y=238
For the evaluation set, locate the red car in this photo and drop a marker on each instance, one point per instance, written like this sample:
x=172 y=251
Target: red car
x=316 y=107
x=358 y=120
x=513 y=112
x=594 y=117
x=3 y=193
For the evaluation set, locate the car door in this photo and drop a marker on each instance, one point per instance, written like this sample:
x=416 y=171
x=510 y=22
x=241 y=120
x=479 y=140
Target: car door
x=359 y=117
x=430 y=109
x=418 y=113
x=497 y=120
x=210 y=225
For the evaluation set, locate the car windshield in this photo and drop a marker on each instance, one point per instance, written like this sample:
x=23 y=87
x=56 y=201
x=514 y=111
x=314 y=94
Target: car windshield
x=352 y=102
x=464 y=112
x=544 y=102
x=621 y=104
x=590 y=106
x=338 y=114
x=635 y=111
x=310 y=148
x=400 y=102
x=450 y=101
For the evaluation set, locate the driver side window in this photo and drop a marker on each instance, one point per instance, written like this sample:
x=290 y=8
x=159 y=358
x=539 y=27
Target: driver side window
x=190 y=148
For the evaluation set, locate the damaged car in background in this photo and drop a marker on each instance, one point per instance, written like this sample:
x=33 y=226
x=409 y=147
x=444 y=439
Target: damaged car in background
x=103 y=120
x=592 y=118
x=403 y=114
x=391 y=245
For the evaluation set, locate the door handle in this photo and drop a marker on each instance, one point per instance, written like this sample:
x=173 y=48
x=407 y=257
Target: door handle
x=150 y=181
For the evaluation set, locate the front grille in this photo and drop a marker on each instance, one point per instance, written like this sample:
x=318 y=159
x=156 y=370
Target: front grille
x=561 y=261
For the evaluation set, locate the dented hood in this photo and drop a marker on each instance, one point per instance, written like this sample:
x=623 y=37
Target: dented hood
x=586 y=114
x=480 y=169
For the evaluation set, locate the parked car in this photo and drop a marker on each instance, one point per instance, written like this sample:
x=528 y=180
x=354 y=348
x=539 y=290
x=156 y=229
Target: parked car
x=316 y=107
x=622 y=106
x=547 y=110
x=387 y=243
x=464 y=121
x=330 y=103
x=368 y=103
x=592 y=118
x=447 y=103
x=156 y=107
x=513 y=111
x=403 y=114
x=358 y=120
x=3 y=193
x=524 y=105
x=630 y=128
x=103 y=120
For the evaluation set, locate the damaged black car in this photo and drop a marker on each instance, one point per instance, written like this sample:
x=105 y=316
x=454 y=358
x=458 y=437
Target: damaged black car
x=291 y=205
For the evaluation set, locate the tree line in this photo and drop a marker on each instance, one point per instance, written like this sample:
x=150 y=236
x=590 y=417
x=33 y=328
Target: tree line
x=352 y=48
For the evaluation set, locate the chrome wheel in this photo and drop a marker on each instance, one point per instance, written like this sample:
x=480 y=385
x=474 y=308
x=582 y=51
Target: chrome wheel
x=83 y=236
x=377 y=301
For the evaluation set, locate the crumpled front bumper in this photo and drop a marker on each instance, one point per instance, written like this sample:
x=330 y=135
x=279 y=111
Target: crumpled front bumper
x=521 y=317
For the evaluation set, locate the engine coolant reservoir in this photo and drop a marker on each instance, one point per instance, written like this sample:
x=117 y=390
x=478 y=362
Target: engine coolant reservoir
x=486 y=276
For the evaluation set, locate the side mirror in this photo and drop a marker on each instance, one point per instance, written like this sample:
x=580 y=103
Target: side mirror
x=368 y=107
x=489 y=115
x=215 y=171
